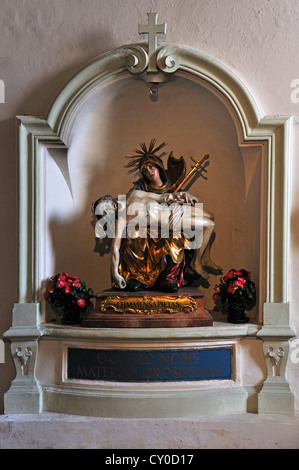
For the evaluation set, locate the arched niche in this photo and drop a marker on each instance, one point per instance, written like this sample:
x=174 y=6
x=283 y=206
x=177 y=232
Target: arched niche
x=117 y=117
x=76 y=153
x=263 y=144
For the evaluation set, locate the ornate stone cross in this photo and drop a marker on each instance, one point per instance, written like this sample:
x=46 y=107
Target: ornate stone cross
x=152 y=29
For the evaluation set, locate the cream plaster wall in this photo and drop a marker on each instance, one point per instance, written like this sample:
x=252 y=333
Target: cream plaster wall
x=43 y=43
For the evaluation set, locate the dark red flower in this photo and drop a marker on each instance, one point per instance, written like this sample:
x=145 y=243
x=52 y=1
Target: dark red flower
x=231 y=273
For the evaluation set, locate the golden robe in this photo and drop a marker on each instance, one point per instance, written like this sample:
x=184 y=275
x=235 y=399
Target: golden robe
x=145 y=259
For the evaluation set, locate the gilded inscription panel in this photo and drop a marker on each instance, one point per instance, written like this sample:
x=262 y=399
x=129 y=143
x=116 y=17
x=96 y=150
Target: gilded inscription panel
x=148 y=305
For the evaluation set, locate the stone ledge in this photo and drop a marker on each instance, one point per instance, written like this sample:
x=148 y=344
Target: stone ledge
x=61 y=431
x=218 y=330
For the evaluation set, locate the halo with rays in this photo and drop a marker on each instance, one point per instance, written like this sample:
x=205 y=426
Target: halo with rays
x=141 y=153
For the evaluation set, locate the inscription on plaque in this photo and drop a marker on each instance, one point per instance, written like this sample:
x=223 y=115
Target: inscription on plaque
x=146 y=304
x=150 y=365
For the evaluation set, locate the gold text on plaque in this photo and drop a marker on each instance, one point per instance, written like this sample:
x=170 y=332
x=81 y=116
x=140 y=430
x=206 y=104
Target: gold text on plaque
x=148 y=305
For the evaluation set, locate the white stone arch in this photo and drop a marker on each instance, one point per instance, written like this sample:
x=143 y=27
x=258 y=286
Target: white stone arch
x=252 y=127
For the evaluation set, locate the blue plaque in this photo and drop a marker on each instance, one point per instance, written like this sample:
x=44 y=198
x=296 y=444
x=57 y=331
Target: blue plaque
x=150 y=365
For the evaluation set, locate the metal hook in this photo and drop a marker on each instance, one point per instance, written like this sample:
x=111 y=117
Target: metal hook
x=154 y=91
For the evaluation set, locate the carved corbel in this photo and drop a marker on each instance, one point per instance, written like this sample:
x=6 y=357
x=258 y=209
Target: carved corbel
x=275 y=357
x=24 y=356
x=276 y=395
x=136 y=60
x=167 y=61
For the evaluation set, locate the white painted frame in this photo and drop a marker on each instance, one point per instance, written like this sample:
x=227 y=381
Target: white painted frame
x=252 y=126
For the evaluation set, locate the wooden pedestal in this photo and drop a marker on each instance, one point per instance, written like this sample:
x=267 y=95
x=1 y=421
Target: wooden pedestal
x=104 y=316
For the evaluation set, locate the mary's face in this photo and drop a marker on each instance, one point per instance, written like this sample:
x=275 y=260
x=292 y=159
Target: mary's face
x=151 y=173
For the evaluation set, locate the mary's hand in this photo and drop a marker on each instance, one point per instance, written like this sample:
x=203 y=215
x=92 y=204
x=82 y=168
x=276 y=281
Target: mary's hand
x=182 y=197
x=190 y=198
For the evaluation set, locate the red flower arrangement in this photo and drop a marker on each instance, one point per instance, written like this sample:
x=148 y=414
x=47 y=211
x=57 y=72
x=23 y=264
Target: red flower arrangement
x=236 y=289
x=68 y=293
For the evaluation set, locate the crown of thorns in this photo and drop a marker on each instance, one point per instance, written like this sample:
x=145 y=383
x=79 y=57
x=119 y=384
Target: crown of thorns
x=144 y=151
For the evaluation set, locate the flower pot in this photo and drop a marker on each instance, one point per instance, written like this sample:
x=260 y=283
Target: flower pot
x=68 y=316
x=236 y=314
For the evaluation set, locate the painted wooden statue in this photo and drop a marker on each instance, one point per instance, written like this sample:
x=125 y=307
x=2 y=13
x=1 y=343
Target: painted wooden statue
x=148 y=252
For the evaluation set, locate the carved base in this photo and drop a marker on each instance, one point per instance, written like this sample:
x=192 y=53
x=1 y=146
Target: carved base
x=23 y=398
x=276 y=397
x=148 y=309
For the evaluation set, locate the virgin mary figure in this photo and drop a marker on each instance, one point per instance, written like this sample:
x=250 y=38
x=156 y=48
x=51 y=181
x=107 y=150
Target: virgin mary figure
x=144 y=258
